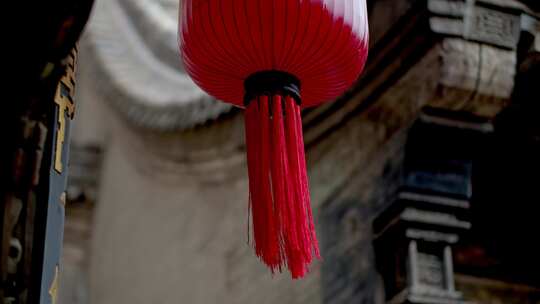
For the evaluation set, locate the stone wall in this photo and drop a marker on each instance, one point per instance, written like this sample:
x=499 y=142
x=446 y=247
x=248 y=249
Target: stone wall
x=170 y=223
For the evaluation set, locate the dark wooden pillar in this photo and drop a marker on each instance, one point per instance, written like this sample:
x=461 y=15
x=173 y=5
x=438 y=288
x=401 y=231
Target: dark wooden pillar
x=34 y=157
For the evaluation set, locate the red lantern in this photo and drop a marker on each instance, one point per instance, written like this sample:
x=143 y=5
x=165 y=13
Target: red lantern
x=273 y=57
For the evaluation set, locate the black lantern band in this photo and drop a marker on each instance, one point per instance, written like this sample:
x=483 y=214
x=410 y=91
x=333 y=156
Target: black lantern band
x=271 y=83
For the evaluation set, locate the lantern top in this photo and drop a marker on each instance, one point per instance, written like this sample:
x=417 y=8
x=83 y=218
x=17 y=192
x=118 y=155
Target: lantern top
x=322 y=43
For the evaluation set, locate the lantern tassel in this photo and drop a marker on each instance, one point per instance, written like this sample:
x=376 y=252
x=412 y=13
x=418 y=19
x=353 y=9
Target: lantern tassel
x=283 y=229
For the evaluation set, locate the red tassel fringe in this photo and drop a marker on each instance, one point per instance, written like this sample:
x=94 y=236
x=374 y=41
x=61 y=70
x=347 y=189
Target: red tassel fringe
x=283 y=229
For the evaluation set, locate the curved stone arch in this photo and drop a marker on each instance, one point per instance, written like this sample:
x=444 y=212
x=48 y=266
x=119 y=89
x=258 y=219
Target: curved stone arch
x=157 y=25
x=141 y=78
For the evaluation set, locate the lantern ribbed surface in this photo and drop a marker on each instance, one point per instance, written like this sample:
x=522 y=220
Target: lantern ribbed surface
x=273 y=57
x=322 y=43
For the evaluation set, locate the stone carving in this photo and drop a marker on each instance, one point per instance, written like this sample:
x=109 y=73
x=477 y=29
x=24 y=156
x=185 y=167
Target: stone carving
x=476 y=67
x=415 y=234
x=491 y=22
x=493 y=27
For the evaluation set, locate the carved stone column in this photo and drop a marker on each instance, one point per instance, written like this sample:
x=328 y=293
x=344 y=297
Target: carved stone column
x=415 y=235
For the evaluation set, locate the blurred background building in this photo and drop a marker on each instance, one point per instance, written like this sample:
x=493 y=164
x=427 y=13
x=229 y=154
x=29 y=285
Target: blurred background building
x=424 y=177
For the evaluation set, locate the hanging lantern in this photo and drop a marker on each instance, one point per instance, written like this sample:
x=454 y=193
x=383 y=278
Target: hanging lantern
x=272 y=58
